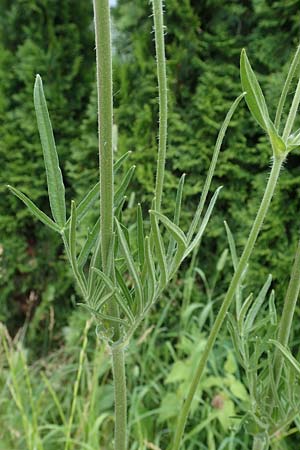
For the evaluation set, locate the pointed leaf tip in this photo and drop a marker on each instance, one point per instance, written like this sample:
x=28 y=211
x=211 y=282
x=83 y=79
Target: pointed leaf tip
x=254 y=96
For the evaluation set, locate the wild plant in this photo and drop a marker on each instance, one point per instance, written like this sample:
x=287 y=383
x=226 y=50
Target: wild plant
x=118 y=285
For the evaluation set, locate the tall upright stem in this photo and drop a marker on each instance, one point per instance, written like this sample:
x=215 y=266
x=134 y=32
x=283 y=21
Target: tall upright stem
x=105 y=125
x=163 y=99
x=270 y=188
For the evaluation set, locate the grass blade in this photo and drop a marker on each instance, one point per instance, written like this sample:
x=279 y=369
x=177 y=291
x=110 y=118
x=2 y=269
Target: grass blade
x=55 y=183
x=35 y=210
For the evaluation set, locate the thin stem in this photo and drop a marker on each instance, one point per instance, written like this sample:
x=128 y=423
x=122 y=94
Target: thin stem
x=270 y=188
x=292 y=114
x=163 y=99
x=286 y=87
x=120 y=398
x=289 y=306
x=105 y=123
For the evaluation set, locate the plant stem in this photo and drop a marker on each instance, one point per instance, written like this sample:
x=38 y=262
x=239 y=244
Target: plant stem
x=120 y=398
x=270 y=188
x=289 y=306
x=105 y=125
x=163 y=99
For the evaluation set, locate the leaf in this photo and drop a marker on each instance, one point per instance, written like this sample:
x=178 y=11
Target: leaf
x=120 y=161
x=212 y=167
x=160 y=250
x=55 y=183
x=204 y=223
x=287 y=355
x=72 y=250
x=176 y=219
x=243 y=311
x=131 y=267
x=254 y=96
x=140 y=235
x=123 y=186
x=179 y=238
x=257 y=305
x=35 y=210
x=101 y=316
x=124 y=287
x=117 y=296
x=150 y=270
x=86 y=203
x=232 y=246
x=89 y=244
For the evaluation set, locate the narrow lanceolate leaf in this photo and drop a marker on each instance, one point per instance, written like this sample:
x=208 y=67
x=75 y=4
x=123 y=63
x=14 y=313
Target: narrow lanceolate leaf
x=287 y=355
x=203 y=223
x=120 y=161
x=120 y=192
x=160 y=250
x=89 y=244
x=254 y=97
x=244 y=309
x=257 y=304
x=140 y=235
x=131 y=267
x=55 y=183
x=35 y=210
x=150 y=271
x=101 y=316
x=124 y=287
x=180 y=239
x=72 y=249
x=86 y=203
x=177 y=212
x=232 y=246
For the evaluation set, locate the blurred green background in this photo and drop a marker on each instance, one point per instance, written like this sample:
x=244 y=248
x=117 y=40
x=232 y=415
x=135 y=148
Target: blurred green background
x=37 y=297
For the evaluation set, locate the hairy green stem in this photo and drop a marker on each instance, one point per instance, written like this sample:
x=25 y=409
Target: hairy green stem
x=270 y=188
x=105 y=125
x=289 y=306
x=120 y=398
x=163 y=99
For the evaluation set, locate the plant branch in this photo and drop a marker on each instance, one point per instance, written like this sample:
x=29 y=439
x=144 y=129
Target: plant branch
x=163 y=99
x=270 y=188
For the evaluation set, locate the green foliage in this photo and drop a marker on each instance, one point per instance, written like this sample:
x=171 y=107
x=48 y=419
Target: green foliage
x=50 y=38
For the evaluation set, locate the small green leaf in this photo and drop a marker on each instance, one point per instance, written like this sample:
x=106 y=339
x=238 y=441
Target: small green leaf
x=171 y=247
x=150 y=270
x=55 y=183
x=160 y=250
x=89 y=244
x=72 y=250
x=120 y=192
x=254 y=96
x=204 y=223
x=257 y=304
x=140 y=235
x=287 y=355
x=86 y=203
x=131 y=267
x=120 y=161
x=35 y=210
x=232 y=246
x=117 y=295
